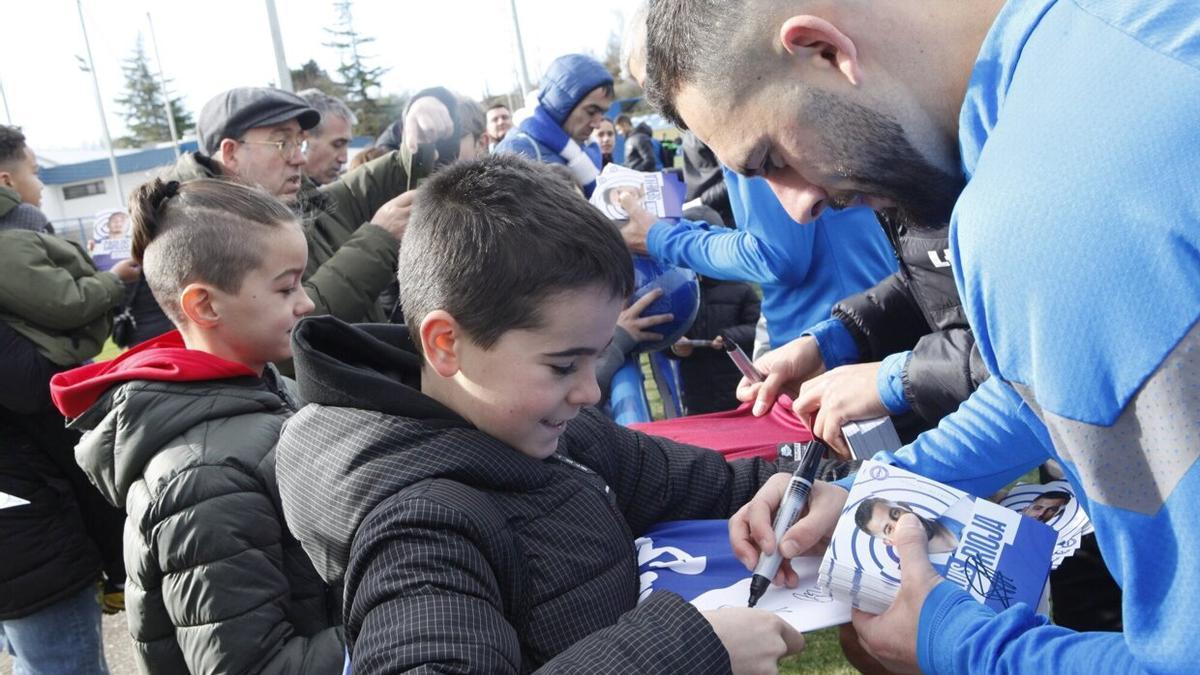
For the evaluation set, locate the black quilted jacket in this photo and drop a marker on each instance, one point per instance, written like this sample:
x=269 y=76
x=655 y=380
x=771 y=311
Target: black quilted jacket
x=918 y=308
x=459 y=553
x=216 y=583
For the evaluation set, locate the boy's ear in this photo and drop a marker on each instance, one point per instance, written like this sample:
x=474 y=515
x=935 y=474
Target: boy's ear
x=440 y=337
x=196 y=303
x=6 y=179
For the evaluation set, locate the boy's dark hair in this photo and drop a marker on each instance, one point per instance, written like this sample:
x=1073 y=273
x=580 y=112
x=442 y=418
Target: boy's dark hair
x=12 y=144
x=490 y=240
x=206 y=230
x=624 y=119
x=497 y=105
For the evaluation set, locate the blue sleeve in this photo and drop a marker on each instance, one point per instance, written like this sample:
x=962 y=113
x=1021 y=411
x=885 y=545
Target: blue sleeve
x=835 y=342
x=890 y=382
x=979 y=448
x=734 y=255
x=957 y=634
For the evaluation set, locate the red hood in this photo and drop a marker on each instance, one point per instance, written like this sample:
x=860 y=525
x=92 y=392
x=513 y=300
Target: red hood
x=164 y=359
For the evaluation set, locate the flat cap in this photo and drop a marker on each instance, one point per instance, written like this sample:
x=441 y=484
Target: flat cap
x=232 y=113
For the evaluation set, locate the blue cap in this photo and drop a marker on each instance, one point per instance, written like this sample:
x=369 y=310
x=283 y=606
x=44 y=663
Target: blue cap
x=567 y=81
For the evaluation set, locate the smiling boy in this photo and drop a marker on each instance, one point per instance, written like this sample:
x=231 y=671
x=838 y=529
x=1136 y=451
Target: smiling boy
x=479 y=512
x=182 y=432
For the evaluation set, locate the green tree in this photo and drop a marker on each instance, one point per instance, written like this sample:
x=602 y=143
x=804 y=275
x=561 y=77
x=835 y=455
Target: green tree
x=142 y=104
x=312 y=76
x=359 y=80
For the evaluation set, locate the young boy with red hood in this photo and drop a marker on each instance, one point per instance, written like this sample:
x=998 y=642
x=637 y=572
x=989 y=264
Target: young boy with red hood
x=181 y=432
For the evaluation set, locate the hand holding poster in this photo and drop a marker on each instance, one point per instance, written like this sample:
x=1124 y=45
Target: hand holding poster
x=998 y=556
x=659 y=193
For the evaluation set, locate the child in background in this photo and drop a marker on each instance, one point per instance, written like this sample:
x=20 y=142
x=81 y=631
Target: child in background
x=182 y=431
x=728 y=310
x=452 y=474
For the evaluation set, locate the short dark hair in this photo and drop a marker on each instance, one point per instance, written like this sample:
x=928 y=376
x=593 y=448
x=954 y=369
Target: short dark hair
x=12 y=144
x=210 y=230
x=1055 y=494
x=624 y=118
x=490 y=240
x=866 y=508
x=496 y=105
x=690 y=40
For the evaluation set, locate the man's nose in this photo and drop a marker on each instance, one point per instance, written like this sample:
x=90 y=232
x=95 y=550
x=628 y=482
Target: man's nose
x=803 y=201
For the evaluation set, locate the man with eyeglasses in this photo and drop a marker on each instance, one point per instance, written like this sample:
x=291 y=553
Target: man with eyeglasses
x=353 y=225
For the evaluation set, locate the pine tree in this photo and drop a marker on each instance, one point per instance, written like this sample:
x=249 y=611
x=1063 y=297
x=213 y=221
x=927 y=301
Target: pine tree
x=312 y=76
x=360 y=81
x=143 y=109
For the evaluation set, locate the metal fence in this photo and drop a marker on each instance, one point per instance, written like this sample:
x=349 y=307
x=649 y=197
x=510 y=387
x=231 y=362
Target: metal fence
x=78 y=229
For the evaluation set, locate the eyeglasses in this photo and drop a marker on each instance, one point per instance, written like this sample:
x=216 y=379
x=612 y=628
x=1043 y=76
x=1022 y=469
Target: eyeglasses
x=285 y=148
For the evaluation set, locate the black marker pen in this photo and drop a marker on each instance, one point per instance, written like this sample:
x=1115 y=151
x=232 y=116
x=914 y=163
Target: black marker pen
x=743 y=362
x=794 y=498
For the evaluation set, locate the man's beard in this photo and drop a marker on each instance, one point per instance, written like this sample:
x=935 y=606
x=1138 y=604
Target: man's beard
x=872 y=150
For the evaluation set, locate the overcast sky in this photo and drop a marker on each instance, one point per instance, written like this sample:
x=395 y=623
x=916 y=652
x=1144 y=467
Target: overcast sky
x=208 y=46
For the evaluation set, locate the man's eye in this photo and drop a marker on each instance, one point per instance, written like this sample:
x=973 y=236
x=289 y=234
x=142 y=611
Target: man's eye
x=563 y=370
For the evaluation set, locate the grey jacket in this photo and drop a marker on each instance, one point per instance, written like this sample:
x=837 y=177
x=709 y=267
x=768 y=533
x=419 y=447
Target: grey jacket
x=216 y=583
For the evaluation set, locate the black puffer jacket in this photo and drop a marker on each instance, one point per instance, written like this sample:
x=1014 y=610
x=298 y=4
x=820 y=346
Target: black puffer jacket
x=704 y=178
x=216 y=582
x=462 y=554
x=709 y=376
x=918 y=308
x=47 y=555
x=639 y=149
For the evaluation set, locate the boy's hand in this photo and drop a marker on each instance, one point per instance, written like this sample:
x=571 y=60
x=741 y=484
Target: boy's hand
x=127 y=270
x=393 y=215
x=640 y=221
x=891 y=637
x=751 y=529
x=755 y=639
x=632 y=321
x=786 y=369
x=829 y=401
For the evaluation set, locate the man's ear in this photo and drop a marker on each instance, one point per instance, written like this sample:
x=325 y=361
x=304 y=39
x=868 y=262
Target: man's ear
x=823 y=40
x=196 y=303
x=227 y=154
x=441 y=337
x=6 y=180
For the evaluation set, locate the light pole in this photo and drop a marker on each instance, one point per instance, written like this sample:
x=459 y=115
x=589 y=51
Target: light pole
x=522 y=70
x=91 y=65
x=162 y=79
x=285 y=75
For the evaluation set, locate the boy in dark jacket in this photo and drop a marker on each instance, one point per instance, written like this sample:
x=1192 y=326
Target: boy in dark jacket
x=181 y=432
x=479 y=513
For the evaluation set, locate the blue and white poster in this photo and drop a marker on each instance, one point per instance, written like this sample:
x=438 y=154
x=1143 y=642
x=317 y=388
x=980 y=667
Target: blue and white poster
x=693 y=558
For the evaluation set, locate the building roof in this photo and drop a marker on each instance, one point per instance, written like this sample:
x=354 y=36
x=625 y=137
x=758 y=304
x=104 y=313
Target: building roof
x=133 y=162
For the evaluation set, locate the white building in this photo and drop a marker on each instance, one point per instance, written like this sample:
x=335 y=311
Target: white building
x=76 y=191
